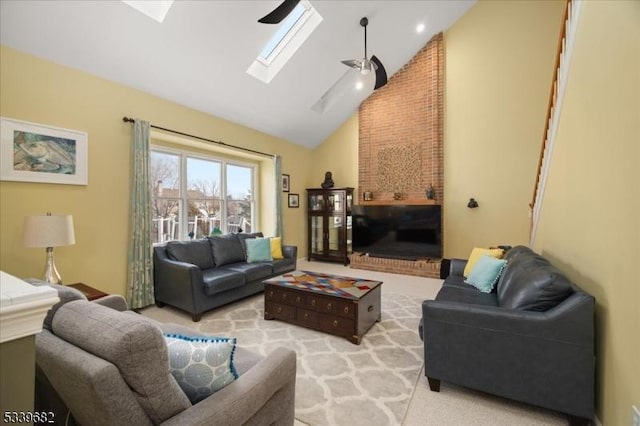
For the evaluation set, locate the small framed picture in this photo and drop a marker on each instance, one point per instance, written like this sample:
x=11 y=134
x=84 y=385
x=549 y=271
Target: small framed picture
x=294 y=200
x=285 y=183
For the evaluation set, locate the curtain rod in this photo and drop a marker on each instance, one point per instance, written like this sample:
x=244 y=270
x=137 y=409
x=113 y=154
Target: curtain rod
x=131 y=120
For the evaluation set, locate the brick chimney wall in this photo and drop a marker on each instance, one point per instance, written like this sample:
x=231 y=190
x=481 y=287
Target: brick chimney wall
x=402 y=130
x=401 y=138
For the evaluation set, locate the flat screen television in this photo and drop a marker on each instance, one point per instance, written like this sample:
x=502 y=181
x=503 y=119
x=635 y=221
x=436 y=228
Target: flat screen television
x=398 y=232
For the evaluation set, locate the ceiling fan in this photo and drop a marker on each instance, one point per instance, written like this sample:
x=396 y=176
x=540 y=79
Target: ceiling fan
x=279 y=13
x=365 y=65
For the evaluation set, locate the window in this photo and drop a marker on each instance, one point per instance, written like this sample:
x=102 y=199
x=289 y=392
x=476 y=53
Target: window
x=197 y=196
x=284 y=32
x=289 y=36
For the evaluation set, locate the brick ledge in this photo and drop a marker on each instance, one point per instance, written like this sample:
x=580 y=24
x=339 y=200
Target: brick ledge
x=429 y=268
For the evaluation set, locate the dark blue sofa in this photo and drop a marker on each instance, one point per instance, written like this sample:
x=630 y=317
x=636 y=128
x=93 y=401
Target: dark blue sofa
x=531 y=340
x=199 y=275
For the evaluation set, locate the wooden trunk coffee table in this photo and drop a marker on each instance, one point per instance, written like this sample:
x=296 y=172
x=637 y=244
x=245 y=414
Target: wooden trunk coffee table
x=342 y=306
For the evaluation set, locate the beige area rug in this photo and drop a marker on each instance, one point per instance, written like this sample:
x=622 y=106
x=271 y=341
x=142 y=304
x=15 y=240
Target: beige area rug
x=338 y=383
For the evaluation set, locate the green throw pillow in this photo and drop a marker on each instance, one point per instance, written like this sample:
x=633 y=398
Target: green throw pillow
x=201 y=365
x=485 y=273
x=258 y=250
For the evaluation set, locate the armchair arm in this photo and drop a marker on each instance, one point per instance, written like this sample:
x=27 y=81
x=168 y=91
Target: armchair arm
x=113 y=301
x=238 y=402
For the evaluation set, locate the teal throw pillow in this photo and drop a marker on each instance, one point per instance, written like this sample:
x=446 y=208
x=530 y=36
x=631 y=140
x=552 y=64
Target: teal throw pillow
x=201 y=365
x=485 y=273
x=258 y=250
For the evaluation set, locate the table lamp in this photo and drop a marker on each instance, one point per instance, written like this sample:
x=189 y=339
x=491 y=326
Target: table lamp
x=49 y=231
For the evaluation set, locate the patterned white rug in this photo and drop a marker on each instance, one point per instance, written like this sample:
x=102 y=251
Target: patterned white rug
x=338 y=383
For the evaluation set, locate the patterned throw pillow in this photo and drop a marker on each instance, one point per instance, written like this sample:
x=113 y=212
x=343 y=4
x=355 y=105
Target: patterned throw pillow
x=200 y=365
x=485 y=273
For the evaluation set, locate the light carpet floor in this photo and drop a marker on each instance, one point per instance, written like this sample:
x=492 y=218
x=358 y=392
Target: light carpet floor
x=379 y=382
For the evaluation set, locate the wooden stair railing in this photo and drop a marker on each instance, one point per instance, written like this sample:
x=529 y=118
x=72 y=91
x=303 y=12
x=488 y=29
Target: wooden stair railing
x=563 y=56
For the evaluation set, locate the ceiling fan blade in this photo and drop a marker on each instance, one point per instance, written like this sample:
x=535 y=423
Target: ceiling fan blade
x=353 y=63
x=279 y=13
x=381 y=73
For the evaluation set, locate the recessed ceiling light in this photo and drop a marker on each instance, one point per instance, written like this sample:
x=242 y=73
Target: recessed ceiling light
x=359 y=85
x=156 y=10
x=420 y=28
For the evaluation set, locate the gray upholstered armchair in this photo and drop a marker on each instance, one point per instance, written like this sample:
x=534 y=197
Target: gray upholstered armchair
x=99 y=366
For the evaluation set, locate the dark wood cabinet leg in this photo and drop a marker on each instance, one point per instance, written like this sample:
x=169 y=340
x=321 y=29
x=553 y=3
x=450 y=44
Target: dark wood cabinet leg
x=434 y=384
x=160 y=304
x=196 y=317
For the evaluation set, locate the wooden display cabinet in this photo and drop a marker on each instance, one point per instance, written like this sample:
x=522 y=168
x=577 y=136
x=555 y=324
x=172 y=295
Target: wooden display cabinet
x=329 y=225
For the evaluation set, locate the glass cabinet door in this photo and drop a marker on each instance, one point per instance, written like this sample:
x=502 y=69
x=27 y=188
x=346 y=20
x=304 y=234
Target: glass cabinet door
x=336 y=202
x=349 y=241
x=335 y=235
x=329 y=223
x=316 y=235
x=316 y=202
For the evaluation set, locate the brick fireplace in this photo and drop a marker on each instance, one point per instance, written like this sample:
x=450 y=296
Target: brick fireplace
x=401 y=135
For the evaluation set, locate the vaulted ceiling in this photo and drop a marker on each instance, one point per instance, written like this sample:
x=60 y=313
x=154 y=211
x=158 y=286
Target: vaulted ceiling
x=199 y=55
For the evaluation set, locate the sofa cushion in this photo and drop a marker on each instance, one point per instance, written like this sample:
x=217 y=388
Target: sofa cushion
x=201 y=365
x=485 y=274
x=258 y=250
x=136 y=347
x=468 y=295
x=196 y=252
x=455 y=281
x=227 y=249
x=517 y=251
x=243 y=240
x=529 y=282
x=252 y=271
x=281 y=266
x=219 y=280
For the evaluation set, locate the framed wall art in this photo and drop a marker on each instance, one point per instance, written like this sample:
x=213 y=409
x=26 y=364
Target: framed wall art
x=294 y=200
x=31 y=152
x=286 y=184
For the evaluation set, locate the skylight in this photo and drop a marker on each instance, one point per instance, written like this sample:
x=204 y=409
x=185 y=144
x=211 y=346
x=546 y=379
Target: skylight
x=282 y=32
x=291 y=33
x=154 y=9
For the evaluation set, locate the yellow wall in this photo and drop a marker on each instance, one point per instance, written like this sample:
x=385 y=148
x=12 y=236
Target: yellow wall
x=499 y=65
x=42 y=92
x=339 y=155
x=590 y=219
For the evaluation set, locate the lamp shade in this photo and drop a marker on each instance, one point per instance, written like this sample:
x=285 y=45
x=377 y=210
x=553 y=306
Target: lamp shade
x=48 y=231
